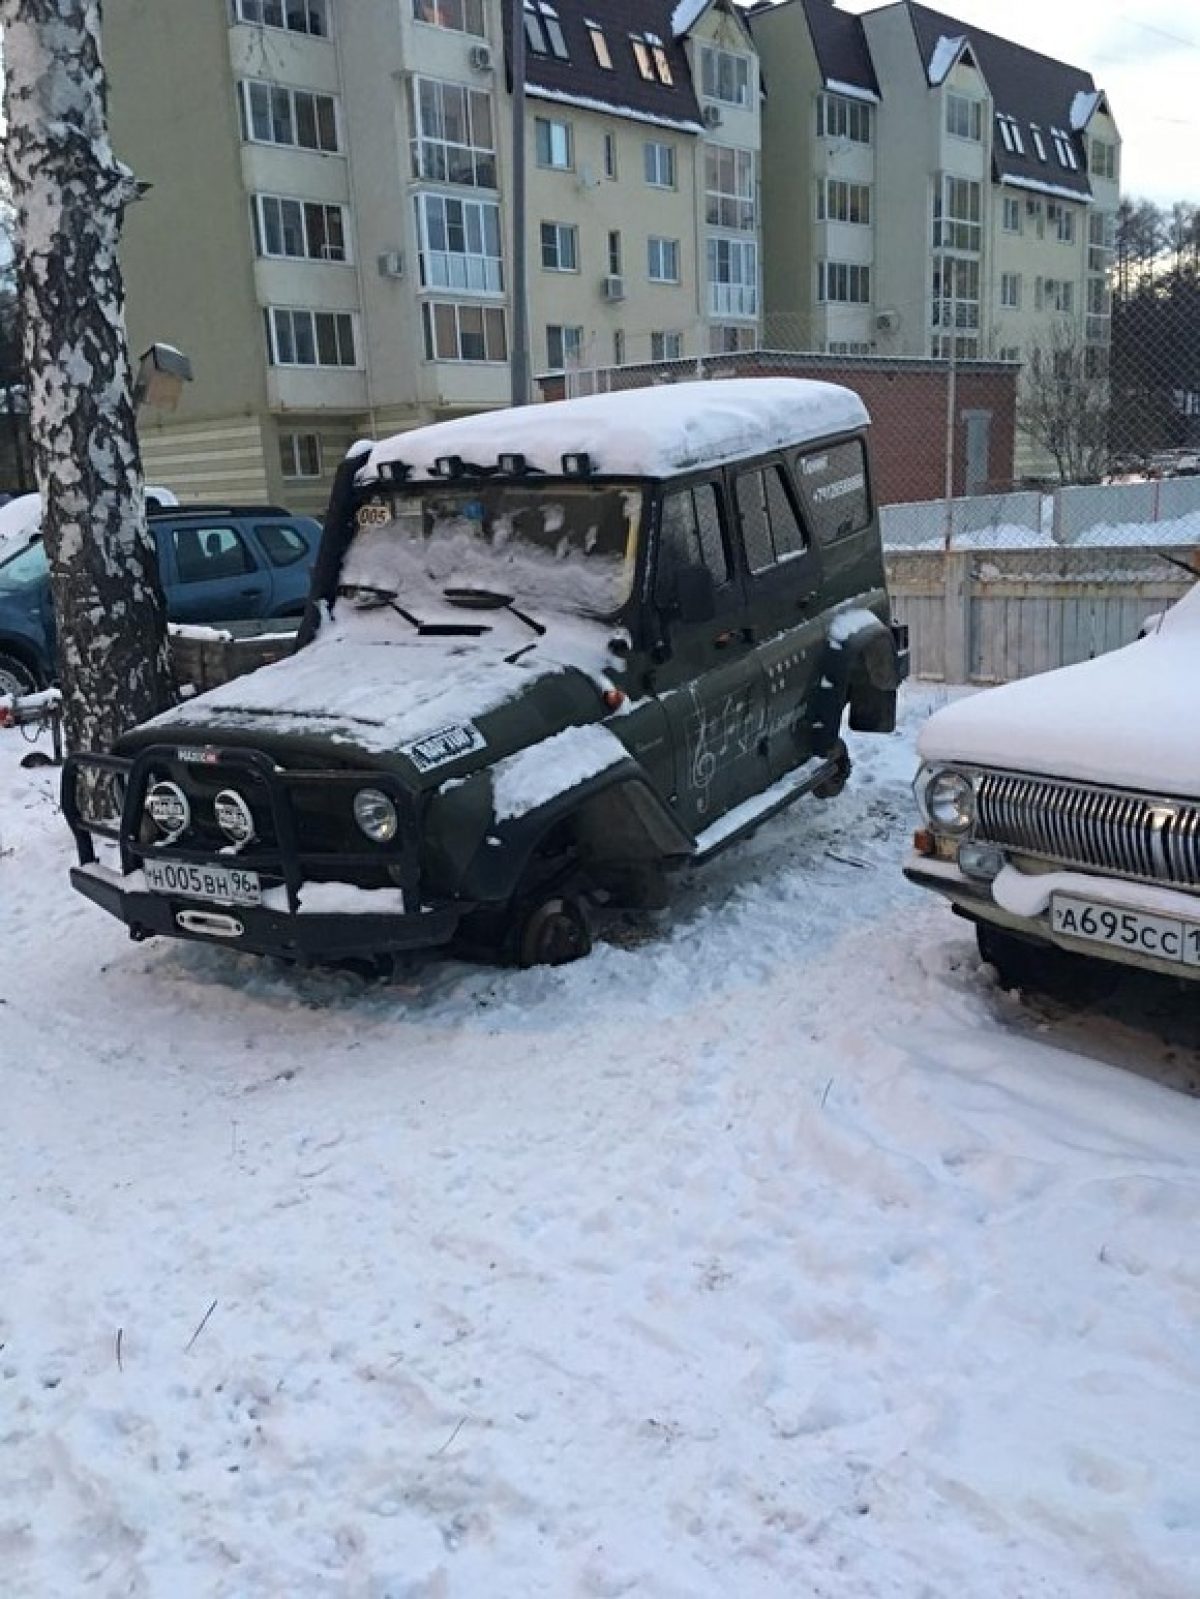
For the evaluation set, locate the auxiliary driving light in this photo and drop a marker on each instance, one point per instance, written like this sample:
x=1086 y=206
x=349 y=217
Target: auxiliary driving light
x=169 y=810
x=234 y=816
x=376 y=815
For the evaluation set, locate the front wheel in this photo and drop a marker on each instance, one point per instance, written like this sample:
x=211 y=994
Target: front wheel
x=552 y=931
x=15 y=677
x=1024 y=965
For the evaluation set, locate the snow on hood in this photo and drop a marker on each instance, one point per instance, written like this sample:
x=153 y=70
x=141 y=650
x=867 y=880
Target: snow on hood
x=19 y=519
x=1130 y=719
x=367 y=684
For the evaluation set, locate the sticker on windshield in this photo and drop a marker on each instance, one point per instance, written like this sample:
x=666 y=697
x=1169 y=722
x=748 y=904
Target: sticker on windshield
x=373 y=514
x=446 y=745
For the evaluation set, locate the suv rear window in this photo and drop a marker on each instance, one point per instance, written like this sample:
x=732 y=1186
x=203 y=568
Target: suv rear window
x=284 y=546
x=833 y=484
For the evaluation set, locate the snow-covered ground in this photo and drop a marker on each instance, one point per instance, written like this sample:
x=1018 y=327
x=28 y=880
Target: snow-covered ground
x=770 y=1252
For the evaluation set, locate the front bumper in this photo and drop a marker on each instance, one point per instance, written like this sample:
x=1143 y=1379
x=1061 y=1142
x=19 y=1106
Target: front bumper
x=293 y=936
x=976 y=900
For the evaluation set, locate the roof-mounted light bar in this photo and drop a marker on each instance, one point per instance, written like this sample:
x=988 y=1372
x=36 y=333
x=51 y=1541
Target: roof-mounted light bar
x=577 y=463
x=513 y=464
x=450 y=466
x=394 y=471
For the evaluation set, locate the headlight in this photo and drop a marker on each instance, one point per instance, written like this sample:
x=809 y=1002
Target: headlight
x=169 y=810
x=950 y=801
x=376 y=815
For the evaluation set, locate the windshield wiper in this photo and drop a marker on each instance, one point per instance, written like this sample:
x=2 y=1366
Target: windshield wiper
x=424 y=629
x=471 y=598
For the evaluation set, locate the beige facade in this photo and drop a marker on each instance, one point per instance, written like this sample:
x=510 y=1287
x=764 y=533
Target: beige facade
x=328 y=235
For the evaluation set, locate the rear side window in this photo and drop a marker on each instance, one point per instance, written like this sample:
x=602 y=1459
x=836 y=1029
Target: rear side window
x=283 y=544
x=833 y=487
x=207 y=554
x=770 y=527
x=692 y=535
x=26 y=569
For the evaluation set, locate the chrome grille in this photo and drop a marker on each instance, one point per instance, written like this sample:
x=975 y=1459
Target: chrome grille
x=1099 y=829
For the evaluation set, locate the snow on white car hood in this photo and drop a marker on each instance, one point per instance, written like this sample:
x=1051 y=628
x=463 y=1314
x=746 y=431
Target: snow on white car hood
x=1130 y=719
x=370 y=684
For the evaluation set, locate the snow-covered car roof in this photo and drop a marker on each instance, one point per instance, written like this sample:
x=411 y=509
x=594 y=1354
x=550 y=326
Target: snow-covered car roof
x=21 y=517
x=655 y=432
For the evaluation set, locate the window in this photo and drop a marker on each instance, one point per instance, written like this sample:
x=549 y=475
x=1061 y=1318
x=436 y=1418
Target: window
x=451 y=134
x=957 y=221
x=771 y=530
x=464 y=332
x=728 y=339
x=641 y=54
x=956 y=294
x=663 y=260
x=964 y=117
x=840 y=118
x=666 y=346
x=600 y=46
x=1102 y=237
x=1010 y=290
x=564 y=347
x=1012 y=215
x=299 y=456
x=560 y=247
x=297 y=16
x=1064 y=149
x=461 y=16
x=610 y=155
x=460 y=244
x=725 y=76
x=729 y=188
x=299 y=229
x=651 y=58
x=1039 y=144
x=1055 y=294
x=660 y=165
x=1062 y=219
x=615 y=254
x=848 y=347
x=272 y=114
x=1010 y=352
x=543 y=31
x=839 y=201
x=1010 y=134
x=311 y=338
x=208 y=554
x=690 y=534
x=840 y=281
x=833 y=490
x=554 y=142
x=284 y=546
x=1104 y=160
x=618 y=346
x=732 y=277
x=661 y=65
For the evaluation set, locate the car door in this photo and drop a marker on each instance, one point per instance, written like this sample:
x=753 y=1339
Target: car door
x=213 y=573
x=288 y=548
x=784 y=606
x=710 y=683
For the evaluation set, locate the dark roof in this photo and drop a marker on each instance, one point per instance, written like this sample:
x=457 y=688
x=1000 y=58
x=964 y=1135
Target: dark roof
x=623 y=89
x=841 y=45
x=1034 y=89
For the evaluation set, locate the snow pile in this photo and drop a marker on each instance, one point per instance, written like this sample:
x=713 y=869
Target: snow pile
x=1083 y=108
x=652 y=432
x=773 y=1254
x=945 y=56
x=686 y=15
x=20 y=519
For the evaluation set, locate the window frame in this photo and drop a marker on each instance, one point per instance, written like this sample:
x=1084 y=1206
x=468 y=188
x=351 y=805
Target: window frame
x=712 y=56
x=653 y=150
x=258 y=205
x=840 y=116
x=560 y=331
x=488 y=314
x=551 y=124
x=666 y=250
x=490 y=266
x=812 y=523
x=465 y=8
x=428 y=125
x=321 y=7
x=289 y=458
x=272 y=313
x=972 y=117
x=558 y=232
x=774 y=463
x=247 y=86
x=198 y=531
x=732 y=208
x=832 y=273
x=724 y=587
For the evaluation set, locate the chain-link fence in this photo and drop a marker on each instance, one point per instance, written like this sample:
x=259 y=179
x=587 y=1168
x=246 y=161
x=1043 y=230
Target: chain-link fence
x=1032 y=496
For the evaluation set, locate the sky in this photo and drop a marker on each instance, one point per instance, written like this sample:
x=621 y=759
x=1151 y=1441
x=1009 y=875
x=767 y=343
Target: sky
x=1144 y=53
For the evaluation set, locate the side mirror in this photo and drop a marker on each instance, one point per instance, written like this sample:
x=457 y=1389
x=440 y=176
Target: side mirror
x=695 y=594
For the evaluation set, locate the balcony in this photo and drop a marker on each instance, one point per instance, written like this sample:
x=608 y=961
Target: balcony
x=733 y=300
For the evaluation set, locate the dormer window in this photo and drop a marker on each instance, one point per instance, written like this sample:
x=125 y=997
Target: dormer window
x=1010 y=134
x=641 y=54
x=1039 y=144
x=599 y=45
x=1064 y=149
x=543 y=31
x=651 y=58
x=662 y=65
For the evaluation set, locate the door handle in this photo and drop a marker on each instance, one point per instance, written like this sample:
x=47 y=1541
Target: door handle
x=251 y=592
x=724 y=640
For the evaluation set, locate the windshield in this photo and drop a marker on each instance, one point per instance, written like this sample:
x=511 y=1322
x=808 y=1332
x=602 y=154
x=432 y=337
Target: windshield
x=556 y=547
x=25 y=569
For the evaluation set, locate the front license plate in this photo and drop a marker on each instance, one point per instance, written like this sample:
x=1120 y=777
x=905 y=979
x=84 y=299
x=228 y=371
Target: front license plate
x=1163 y=938
x=226 y=885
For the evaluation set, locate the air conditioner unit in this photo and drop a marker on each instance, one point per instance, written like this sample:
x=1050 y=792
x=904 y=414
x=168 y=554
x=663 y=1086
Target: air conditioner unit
x=481 y=58
x=613 y=288
x=391 y=264
x=887 y=321
x=712 y=116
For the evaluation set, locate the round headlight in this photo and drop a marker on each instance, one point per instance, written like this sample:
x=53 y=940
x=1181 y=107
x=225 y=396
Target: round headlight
x=234 y=816
x=950 y=801
x=169 y=809
x=376 y=815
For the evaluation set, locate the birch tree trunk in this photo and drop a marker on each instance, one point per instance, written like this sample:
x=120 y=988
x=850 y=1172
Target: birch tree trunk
x=69 y=194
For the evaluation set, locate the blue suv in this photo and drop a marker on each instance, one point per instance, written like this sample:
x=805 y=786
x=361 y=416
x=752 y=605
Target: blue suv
x=219 y=563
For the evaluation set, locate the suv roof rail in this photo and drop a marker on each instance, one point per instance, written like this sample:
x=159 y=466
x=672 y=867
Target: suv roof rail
x=216 y=509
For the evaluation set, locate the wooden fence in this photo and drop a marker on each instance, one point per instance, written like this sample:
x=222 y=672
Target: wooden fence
x=990 y=617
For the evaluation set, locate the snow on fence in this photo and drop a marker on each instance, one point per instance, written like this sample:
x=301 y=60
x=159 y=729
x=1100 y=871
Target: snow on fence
x=1013 y=518
x=1108 y=513
x=992 y=616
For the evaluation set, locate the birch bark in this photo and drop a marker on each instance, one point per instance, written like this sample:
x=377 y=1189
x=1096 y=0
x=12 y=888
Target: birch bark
x=69 y=194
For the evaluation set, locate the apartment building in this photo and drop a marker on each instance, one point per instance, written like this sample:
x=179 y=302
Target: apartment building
x=929 y=186
x=328 y=234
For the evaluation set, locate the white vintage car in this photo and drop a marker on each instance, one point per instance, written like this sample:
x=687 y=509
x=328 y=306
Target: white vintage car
x=1064 y=810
